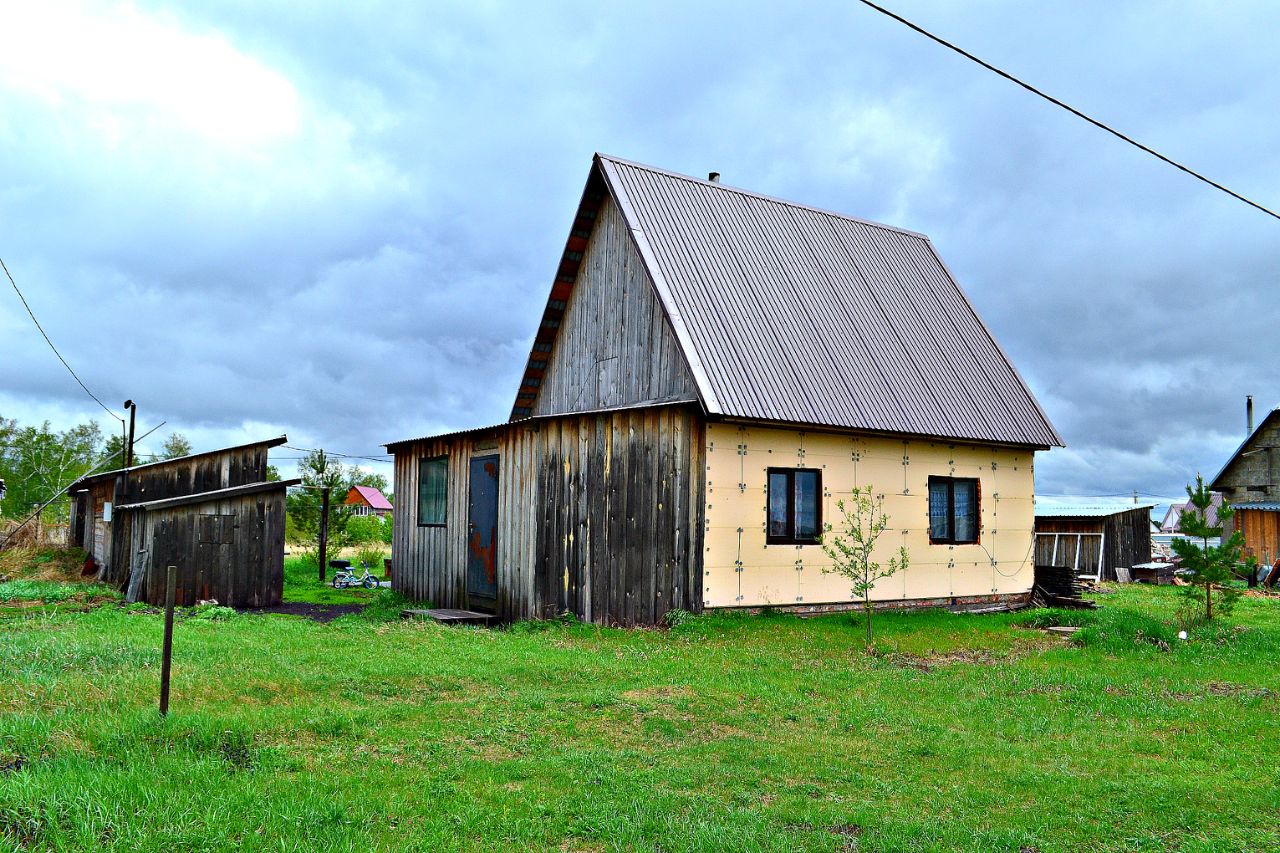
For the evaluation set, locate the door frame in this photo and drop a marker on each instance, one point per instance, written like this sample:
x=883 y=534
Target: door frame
x=481 y=601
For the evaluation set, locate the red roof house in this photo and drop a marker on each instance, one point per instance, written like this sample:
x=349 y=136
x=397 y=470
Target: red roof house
x=368 y=501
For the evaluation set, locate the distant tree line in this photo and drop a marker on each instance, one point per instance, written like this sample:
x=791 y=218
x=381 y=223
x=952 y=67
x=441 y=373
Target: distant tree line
x=318 y=471
x=38 y=462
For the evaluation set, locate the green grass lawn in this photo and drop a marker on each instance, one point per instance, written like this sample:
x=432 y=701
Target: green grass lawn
x=725 y=733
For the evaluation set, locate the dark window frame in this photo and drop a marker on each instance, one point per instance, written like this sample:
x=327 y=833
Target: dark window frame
x=951 y=510
x=791 y=539
x=444 y=513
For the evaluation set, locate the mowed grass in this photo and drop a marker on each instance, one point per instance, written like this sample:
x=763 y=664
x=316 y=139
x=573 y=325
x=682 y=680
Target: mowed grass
x=725 y=733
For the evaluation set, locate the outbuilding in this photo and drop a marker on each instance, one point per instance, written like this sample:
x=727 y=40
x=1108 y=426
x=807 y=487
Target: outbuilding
x=713 y=371
x=214 y=516
x=1093 y=539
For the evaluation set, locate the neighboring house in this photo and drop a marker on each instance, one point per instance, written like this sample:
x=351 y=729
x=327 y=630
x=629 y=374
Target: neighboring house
x=1094 y=538
x=367 y=500
x=1173 y=518
x=212 y=515
x=1250 y=484
x=713 y=371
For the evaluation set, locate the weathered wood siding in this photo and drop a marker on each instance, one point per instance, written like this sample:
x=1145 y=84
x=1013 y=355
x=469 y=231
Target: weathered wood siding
x=1261 y=530
x=615 y=346
x=207 y=472
x=231 y=550
x=598 y=515
x=1126 y=540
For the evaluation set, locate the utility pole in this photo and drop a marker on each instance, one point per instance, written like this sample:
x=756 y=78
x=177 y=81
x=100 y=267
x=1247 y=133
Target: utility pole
x=324 y=532
x=323 y=557
x=128 y=447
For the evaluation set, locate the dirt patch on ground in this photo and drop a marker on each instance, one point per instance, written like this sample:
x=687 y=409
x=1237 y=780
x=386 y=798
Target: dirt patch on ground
x=314 y=612
x=929 y=662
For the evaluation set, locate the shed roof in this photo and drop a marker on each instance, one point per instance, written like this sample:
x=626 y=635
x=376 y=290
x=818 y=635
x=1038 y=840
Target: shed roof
x=788 y=313
x=79 y=485
x=1050 y=508
x=393 y=446
x=371 y=496
x=211 y=497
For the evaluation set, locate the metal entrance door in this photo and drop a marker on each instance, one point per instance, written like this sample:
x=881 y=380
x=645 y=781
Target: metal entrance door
x=482 y=533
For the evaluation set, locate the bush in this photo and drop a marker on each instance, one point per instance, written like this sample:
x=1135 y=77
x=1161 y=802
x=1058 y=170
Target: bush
x=364 y=529
x=372 y=557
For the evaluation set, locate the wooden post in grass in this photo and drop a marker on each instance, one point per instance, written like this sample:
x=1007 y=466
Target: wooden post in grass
x=166 y=654
x=323 y=558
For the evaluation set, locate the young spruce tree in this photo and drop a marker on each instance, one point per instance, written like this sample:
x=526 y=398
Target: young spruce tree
x=1204 y=566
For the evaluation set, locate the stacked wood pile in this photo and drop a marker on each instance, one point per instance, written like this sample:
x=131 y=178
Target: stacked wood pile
x=1058 y=586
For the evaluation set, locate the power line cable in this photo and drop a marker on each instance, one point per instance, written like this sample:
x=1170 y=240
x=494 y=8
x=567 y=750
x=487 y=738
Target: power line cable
x=1093 y=121
x=385 y=458
x=54 y=348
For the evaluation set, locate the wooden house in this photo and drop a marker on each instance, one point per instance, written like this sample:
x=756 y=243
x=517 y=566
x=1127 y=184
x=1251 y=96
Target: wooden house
x=213 y=515
x=1250 y=484
x=1093 y=539
x=713 y=371
x=366 y=500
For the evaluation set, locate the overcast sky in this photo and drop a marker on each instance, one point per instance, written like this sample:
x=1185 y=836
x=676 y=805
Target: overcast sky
x=341 y=221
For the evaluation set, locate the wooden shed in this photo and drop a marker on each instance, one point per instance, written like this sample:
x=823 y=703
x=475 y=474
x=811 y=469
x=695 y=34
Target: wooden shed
x=214 y=515
x=712 y=372
x=1093 y=539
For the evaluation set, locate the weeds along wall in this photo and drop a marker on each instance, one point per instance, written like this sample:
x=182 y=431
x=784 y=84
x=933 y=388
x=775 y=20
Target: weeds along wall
x=740 y=569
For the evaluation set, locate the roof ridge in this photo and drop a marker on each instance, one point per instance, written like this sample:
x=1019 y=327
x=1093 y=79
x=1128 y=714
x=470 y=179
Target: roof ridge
x=763 y=197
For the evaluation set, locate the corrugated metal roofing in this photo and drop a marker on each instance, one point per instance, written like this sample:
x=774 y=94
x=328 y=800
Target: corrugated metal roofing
x=1270 y=506
x=1061 y=509
x=788 y=313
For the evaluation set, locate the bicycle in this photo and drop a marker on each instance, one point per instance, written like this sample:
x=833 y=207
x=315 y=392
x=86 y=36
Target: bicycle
x=345 y=576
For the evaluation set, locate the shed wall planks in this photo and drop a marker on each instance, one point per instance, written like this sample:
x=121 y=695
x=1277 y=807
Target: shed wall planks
x=598 y=515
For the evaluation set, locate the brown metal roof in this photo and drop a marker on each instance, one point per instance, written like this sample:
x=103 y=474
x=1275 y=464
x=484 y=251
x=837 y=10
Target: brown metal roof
x=790 y=313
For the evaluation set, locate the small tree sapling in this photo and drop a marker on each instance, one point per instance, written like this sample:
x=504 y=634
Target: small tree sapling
x=1203 y=566
x=853 y=549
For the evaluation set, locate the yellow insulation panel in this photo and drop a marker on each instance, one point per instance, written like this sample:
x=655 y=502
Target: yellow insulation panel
x=742 y=570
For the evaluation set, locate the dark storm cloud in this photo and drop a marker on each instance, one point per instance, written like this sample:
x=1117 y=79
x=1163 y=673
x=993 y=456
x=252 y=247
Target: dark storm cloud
x=348 y=234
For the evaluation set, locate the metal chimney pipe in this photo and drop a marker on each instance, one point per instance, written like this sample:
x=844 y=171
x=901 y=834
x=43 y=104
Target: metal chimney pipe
x=1248 y=411
x=713 y=177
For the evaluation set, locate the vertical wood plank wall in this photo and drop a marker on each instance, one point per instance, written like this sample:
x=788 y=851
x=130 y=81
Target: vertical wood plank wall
x=231 y=550
x=1261 y=530
x=599 y=515
x=1126 y=539
x=615 y=346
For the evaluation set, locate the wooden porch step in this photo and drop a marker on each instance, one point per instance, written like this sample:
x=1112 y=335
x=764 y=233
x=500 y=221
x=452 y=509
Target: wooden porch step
x=450 y=616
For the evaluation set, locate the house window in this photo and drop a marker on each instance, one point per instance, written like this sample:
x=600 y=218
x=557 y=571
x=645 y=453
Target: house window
x=795 y=506
x=953 y=511
x=433 y=478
